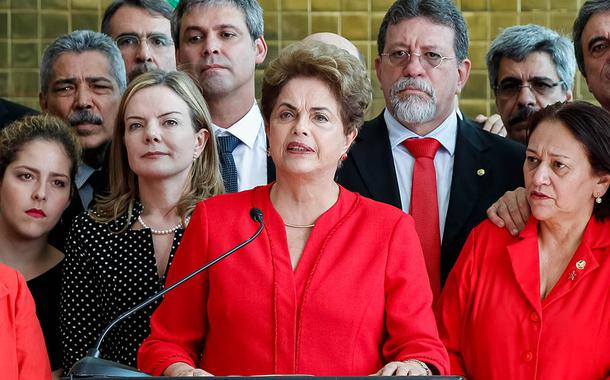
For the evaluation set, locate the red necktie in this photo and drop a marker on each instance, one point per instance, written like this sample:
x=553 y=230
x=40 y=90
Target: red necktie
x=424 y=206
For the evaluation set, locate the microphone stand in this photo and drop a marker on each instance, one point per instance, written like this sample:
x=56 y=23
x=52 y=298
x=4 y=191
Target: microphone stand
x=93 y=365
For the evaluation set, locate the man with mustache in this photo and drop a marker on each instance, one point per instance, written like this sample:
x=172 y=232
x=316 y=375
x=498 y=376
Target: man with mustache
x=591 y=36
x=529 y=67
x=82 y=77
x=142 y=31
x=421 y=66
x=220 y=42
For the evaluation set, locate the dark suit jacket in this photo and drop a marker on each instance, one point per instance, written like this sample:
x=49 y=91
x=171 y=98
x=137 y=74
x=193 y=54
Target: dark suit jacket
x=369 y=170
x=10 y=112
x=100 y=182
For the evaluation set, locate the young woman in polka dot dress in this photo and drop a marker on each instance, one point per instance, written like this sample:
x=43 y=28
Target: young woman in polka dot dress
x=163 y=161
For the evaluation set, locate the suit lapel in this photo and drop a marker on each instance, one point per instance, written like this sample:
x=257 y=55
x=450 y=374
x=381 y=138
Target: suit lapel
x=465 y=182
x=372 y=156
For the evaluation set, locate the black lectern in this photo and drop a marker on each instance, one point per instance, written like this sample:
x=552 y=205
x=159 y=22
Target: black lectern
x=286 y=377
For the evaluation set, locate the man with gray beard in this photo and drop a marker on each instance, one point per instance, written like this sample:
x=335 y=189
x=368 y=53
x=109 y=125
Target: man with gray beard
x=421 y=66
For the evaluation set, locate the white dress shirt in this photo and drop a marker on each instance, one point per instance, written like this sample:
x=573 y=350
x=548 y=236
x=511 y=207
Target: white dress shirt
x=251 y=155
x=446 y=134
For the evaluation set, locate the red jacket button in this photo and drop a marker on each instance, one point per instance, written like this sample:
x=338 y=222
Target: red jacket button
x=534 y=317
x=528 y=356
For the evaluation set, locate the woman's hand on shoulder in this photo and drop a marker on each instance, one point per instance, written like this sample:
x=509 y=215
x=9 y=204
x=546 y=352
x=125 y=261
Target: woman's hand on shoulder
x=183 y=369
x=407 y=368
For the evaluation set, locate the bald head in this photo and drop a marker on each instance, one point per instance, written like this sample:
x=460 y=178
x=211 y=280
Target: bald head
x=338 y=41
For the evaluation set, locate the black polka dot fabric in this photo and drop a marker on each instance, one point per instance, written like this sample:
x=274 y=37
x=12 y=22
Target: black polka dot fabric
x=104 y=274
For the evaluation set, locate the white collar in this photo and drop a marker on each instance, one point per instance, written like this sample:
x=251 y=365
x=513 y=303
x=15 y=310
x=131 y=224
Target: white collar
x=445 y=133
x=246 y=129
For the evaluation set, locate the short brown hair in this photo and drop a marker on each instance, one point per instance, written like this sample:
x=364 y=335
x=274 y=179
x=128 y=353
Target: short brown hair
x=39 y=127
x=343 y=73
x=205 y=178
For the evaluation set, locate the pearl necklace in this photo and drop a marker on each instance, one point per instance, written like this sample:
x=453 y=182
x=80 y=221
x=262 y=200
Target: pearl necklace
x=162 y=232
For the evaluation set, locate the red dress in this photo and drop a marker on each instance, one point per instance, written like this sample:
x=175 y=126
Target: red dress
x=358 y=298
x=494 y=324
x=23 y=355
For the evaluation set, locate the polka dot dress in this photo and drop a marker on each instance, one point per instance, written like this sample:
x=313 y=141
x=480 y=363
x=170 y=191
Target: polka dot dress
x=105 y=273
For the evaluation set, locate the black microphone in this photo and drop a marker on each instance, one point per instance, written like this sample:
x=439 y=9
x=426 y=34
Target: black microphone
x=93 y=365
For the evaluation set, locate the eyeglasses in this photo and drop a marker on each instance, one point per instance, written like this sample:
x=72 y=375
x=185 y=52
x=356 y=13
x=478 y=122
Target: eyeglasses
x=428 y=59
x=133 y=41
x=511 y=88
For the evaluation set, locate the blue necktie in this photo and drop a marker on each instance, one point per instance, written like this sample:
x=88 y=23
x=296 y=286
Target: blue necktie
x=227 y=164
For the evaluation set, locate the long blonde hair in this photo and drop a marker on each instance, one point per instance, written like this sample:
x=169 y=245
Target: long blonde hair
x=205 y=178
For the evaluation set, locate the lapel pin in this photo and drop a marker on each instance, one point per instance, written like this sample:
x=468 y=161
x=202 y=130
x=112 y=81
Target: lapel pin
x=580 y=265
x=481 y=172
x=572 y=275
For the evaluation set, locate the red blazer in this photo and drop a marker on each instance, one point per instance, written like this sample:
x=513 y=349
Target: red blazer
x=494 y=324
x=359 y=297
x=23 y=354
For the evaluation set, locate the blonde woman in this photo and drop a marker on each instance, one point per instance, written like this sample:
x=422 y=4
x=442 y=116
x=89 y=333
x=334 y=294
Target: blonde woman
x=163 y=161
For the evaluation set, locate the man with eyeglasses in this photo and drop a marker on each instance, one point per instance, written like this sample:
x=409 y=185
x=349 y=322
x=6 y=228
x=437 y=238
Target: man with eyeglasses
x=591 y=36
x=142 y=31
x=418 y=155
x=529 y=67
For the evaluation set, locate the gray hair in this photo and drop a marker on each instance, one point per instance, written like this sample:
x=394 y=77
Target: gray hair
x=588 y=10
x=81 y=41
x=442 y=12
x=517 y=42
x=154 y=7
x=253 y=14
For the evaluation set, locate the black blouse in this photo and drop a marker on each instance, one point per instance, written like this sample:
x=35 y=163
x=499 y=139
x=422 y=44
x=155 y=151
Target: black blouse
x=45 y=291
x=105 y=273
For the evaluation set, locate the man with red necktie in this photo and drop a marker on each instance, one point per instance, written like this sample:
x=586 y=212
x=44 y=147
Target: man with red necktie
x=418 y=155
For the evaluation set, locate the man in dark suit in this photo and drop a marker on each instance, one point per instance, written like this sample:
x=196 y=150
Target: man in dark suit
x=82 y=77
x=422 y=65
x=220 y=43
x=10 y=112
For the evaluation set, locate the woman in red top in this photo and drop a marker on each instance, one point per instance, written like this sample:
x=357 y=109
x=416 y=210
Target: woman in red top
x=336 y=283
x=537 y=306
x=23 y=354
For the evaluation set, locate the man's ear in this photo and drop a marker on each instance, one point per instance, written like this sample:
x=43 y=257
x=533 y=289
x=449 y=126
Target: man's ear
x=42 y=101
x=261 y=50
x=463 y=74
x=377 y=66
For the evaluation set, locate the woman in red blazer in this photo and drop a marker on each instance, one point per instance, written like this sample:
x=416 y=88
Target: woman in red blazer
x=336 y=283
x=537 y=306
x=23 y=354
